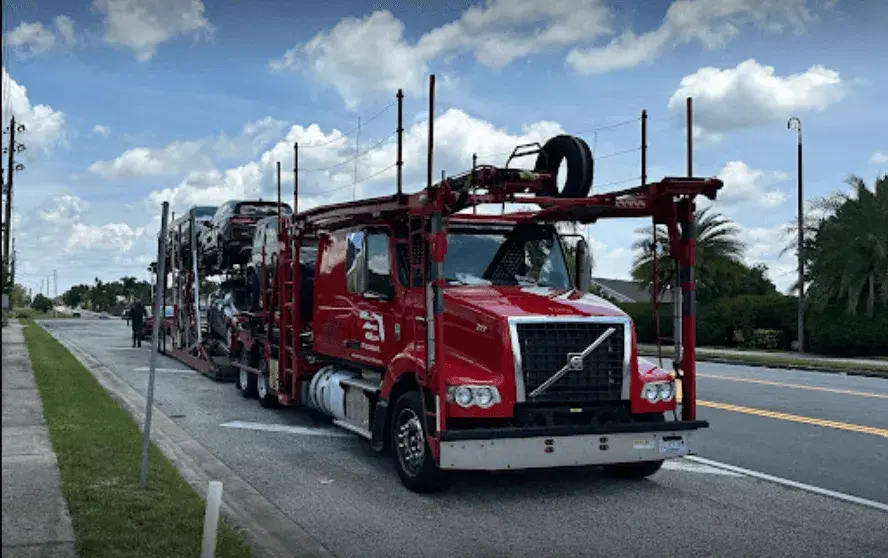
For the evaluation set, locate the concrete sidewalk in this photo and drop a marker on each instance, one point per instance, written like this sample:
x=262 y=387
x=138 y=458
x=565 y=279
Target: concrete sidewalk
x=36 y=521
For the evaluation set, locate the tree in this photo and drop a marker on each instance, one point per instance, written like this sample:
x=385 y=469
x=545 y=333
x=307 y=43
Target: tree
x=41 y=304
x=19 y=296
x=719 y=256
x=847 y=250
x=74 y=296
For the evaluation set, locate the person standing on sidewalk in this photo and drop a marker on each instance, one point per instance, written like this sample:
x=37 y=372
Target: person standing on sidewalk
x=137 y=318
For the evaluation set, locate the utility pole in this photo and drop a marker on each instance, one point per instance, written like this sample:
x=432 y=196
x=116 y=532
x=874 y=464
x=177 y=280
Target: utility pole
x=795 y=124
x=11 y=168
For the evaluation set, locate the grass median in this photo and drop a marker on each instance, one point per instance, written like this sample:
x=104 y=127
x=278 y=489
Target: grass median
x=99 y=450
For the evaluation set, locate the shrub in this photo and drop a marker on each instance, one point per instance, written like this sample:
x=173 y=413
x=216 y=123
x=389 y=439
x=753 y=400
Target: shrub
x=833 y=332
x=766 y=339
x=642 y=314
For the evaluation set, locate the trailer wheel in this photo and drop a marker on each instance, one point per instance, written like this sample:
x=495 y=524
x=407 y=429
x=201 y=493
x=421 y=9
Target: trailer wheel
x=246 y=382
x=266 y=398
x=410 y=451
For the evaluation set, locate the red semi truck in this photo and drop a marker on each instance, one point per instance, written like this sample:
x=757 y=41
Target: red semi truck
x=467 y=341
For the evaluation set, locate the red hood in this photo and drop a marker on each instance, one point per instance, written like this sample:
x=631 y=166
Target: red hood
x=505 y=302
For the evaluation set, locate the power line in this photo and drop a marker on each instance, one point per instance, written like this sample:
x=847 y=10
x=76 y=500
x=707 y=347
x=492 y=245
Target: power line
x=361 y=123
x=353 y=158
x=364 y=179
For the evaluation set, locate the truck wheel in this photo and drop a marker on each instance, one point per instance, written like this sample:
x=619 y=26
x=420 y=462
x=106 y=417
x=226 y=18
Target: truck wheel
x=640 y=470
x=266 y=398
x=410 y=450
x=246 y=382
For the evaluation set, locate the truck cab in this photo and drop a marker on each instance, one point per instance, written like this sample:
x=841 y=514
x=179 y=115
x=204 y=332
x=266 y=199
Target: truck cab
x=527 y=350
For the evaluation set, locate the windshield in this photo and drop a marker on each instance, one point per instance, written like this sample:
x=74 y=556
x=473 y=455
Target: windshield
x=523 y=256
x=204 y=212
x=255 y=209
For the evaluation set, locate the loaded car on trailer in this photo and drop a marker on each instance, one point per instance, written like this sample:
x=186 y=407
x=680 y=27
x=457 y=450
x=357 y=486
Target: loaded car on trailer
x=228 y=235
x=468 y=341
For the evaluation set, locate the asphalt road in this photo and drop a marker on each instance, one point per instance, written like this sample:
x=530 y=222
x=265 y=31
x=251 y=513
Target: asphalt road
x=330 y=483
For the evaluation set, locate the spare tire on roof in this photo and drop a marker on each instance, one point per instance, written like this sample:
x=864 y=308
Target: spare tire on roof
x=580 y=164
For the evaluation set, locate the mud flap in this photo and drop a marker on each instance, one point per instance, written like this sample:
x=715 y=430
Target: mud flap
x=377 y=429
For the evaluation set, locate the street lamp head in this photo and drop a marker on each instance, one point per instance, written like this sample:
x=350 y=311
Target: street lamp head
x=794 y=124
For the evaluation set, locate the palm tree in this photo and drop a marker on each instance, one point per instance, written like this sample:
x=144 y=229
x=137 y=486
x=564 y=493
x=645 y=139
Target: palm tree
x=129 y=287
x=717 y=244
x=847 y=250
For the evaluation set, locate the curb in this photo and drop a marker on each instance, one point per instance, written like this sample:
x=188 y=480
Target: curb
x=783 y=365
x=267 y=529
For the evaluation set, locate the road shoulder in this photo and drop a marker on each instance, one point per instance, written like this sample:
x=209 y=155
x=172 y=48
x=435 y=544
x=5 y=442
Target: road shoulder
x=268 y=530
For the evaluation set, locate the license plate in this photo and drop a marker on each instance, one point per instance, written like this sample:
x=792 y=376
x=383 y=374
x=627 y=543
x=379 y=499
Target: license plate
x=672 y=445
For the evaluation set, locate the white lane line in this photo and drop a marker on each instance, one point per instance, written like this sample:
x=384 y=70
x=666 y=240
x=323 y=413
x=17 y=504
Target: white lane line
x=303 y=430
x=688 y=467
x=791 y=483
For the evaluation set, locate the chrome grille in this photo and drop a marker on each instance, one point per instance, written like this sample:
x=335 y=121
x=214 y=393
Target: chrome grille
x=545 y=348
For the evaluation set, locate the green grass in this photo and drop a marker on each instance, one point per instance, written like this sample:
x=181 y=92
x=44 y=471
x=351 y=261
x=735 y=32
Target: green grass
x=876 y=368
x=99 y=451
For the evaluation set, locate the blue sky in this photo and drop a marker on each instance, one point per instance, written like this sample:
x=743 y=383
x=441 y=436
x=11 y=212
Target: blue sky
x=129 y=103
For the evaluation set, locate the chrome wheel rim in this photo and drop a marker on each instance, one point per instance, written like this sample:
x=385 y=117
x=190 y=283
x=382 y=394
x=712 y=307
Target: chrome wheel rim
x=263 y=386
x=410 y=442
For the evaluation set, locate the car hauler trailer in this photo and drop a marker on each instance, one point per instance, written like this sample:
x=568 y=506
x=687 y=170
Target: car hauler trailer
x=469 y=341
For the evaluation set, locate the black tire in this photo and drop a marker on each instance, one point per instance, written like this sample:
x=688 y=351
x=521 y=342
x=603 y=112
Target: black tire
x=266 y=398
x=417 y=470
x=245 y=382
x=580 y=164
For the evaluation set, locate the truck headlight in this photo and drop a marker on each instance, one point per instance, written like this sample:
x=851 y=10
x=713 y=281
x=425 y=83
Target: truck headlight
x=667 y=391
x=463 y=396
x=650 y=392
x=654 y=392
x=468 y=395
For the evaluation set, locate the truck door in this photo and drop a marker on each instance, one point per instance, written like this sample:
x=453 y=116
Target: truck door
x=371 y=335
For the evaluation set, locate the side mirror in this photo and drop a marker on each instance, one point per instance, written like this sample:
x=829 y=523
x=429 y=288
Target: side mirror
x=583 y=271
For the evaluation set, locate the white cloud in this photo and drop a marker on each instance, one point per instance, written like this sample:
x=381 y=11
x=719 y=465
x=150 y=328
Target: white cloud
x=750 y=94
x=45 y=125
x=111 y=236
x=749 y=187
x=186 y=156
x=327 y=169
x=142 y=26
x=54 y=235
x=65 y=28
x=497 y=33
x=32 y=39
x=101 y=130
x=710 y=23
x=501 y=31
x=879 y=158
x=211 y=187
x=174 y=158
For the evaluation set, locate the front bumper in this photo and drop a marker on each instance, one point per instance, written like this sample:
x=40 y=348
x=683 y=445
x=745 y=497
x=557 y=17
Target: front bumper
x=512 y=449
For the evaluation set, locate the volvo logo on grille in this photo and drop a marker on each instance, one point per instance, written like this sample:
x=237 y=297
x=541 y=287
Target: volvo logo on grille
x=574 y=361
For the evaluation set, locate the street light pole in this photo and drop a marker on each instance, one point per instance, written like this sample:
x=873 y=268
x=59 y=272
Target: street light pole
x=795 y=124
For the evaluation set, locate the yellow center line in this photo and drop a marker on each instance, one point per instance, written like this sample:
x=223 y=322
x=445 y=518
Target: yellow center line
x=795 y=418
x=796 y=386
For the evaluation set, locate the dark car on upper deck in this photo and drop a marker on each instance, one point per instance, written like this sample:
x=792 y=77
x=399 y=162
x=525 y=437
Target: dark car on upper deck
x=229 y=234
